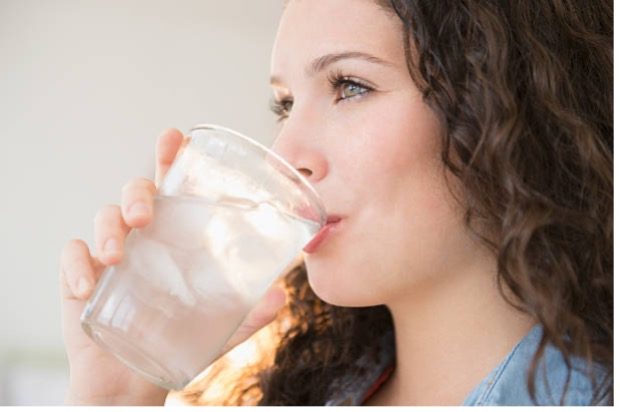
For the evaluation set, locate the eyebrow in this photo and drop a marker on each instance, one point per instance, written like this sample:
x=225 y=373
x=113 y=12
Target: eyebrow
x=321 y=63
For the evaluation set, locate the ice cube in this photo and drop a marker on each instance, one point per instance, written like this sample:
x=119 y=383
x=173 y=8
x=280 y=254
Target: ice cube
x=179 y=222
x=152 y=260
x=267 y=221
x=251 y=245
x=219 y=231
x=203 y=273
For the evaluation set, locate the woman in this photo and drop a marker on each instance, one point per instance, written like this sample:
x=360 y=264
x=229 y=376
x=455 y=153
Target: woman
x=463 y=150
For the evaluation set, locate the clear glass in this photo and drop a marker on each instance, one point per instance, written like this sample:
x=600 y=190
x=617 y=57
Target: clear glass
x=229 y=217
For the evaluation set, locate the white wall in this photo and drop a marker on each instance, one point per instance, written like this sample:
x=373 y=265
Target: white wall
x=85 y=88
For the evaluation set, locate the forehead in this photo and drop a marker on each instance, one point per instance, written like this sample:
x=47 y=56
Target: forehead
x=312 y=28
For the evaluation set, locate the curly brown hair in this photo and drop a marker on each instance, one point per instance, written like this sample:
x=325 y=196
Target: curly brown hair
x=523 y=90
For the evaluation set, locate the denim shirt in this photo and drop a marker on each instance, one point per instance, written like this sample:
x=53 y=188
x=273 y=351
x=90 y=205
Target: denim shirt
x=505 y=385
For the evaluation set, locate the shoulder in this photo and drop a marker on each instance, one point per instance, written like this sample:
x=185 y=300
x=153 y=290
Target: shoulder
x=507 y=384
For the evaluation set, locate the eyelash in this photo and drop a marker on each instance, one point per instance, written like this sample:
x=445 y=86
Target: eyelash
x=337 y=80
x=281 y=108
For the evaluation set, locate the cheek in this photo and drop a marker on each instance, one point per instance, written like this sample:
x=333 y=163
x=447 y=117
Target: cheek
x=391 y=170
x=393 y=143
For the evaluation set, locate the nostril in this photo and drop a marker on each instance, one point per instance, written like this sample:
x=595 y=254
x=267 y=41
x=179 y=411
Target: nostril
x=305 y=172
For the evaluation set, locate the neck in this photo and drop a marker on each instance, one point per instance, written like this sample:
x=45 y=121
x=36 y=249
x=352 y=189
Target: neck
x=449 y=336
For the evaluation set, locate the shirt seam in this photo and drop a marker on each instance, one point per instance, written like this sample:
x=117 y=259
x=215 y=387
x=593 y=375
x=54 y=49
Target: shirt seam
x=483 y=398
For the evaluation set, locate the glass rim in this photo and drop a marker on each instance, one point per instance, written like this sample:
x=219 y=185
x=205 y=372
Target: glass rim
x=313 y=195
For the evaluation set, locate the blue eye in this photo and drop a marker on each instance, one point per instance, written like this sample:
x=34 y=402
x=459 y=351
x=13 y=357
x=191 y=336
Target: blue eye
x=350 y=89
x=347 y=87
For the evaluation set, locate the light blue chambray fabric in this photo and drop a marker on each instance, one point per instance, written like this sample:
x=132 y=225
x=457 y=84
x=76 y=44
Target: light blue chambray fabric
x=507 y=383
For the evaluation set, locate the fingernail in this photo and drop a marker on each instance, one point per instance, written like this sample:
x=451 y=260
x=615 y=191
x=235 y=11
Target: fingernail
x=111 y=246
x=83 y=287
x=139 y=209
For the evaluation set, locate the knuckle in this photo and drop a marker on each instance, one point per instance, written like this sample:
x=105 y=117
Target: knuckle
x=74 y=244
x=127 y=186
x=149 y=185
x=106 y=213
x=73 y=251
x=138 y=183
x=73 y=247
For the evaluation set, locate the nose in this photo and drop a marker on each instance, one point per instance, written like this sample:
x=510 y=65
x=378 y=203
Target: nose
x=302 y=150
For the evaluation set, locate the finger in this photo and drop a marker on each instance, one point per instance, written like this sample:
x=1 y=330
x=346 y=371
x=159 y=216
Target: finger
x=168 y=145
x=78 y=273
x=261 y=315
x=137 y=202
x=110 y=233
x=266 y=310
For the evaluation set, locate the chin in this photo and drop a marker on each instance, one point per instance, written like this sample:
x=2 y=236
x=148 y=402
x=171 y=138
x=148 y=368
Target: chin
x=340 y=286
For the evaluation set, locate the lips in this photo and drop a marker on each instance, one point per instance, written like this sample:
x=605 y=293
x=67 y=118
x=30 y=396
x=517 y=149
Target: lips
x=322 y=234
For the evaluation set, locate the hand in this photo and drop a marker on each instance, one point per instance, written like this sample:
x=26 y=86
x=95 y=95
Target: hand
x=96 y=376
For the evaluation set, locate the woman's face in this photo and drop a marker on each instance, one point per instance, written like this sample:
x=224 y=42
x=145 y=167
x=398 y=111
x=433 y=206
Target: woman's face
x=355 y=124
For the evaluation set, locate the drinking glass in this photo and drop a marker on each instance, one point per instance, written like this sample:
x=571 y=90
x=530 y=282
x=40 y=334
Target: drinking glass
x=229 y=217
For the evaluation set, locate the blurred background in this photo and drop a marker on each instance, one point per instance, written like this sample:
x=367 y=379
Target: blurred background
x=85 y=89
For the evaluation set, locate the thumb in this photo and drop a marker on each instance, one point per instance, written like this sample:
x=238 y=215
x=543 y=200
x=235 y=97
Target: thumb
x=262 y=314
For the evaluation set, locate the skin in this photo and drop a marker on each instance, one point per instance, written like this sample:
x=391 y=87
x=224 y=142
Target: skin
x=400 y=224
x=96 y=377
x=373 y=154
x=374 y=157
